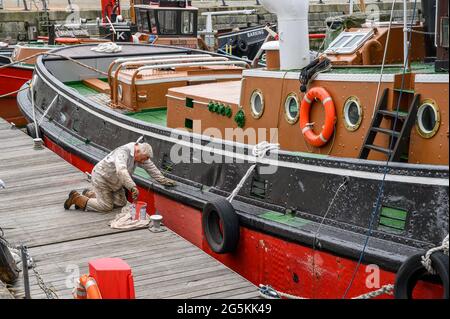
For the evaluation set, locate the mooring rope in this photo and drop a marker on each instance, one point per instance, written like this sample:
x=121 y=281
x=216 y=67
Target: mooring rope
x=268 y=292
x=426 y=261
x=57 y=55
x=14 y=92
x=259 y=151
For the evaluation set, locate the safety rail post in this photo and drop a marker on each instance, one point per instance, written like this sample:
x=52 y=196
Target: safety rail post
x=26 y=278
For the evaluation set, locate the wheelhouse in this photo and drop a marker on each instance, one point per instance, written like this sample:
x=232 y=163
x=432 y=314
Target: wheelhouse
x=166 y=18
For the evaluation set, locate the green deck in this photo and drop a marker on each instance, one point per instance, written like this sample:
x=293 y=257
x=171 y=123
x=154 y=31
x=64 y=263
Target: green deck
x=82 y=88
x=155 y=116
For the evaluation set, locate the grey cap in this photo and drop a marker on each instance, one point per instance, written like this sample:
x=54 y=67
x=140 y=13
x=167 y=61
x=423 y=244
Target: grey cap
x=146 y=149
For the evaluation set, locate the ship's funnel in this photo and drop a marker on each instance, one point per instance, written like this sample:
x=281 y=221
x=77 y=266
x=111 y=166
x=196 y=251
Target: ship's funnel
x=293 y=32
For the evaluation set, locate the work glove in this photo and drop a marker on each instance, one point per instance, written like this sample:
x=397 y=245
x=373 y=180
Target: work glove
x=169 y=182
x=134 y=193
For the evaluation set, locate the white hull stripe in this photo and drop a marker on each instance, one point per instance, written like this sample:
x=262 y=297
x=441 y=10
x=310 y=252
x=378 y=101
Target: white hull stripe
x=332 y=77
x=305 y=167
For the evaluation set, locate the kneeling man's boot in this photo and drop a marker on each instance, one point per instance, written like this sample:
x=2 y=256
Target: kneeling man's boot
x=88 y=193
x=76 y=199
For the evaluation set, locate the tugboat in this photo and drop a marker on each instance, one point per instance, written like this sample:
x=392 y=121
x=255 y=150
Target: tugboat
x=356 y=194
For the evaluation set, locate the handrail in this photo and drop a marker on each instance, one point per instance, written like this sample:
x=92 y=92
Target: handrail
x=162 y=61
x=136 y=59
x=119 y=60
x=152 y=67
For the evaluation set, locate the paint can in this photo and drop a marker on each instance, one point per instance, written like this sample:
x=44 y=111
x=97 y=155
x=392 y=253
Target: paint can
x=140 y=211
x=133 y=211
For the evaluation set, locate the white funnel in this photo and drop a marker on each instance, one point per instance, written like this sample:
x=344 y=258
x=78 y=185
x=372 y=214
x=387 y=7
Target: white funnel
x=292 y=30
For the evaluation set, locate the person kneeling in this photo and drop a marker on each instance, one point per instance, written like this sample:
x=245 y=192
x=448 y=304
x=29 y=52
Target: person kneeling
x=112 y=174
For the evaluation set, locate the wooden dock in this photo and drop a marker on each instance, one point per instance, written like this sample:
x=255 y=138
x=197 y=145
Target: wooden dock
x=62 y=242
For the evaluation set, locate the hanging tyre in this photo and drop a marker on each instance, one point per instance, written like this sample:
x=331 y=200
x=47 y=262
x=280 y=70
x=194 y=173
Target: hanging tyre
x=220 y=226
x=412 y=270
x=242 y=45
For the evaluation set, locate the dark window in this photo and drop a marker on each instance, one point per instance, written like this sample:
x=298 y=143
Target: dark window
x=187 y=22
x=189 y=102
x=142 y=20
x=167 y=22
x=188 y=123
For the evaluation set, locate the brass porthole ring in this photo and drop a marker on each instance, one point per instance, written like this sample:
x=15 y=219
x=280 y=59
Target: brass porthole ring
x=352 y=113
x=291 y=108
x=428 y=118
x=257 y=104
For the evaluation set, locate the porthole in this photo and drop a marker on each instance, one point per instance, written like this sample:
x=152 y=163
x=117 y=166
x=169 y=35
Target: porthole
x=428 y=119
x=120 y=92
x=352 y=113
x=291 y=109
x=257 y=104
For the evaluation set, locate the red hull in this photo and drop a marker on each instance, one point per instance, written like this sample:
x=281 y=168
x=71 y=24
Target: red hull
x=264 y=259
x=11 y=79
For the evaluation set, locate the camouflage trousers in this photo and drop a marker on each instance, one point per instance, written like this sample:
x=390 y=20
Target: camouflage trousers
x=106 y=197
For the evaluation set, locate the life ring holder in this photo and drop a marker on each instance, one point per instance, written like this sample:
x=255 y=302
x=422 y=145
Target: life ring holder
x=322 y=95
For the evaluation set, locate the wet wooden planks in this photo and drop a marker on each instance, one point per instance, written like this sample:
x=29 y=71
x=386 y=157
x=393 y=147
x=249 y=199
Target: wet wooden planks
x=62 y=242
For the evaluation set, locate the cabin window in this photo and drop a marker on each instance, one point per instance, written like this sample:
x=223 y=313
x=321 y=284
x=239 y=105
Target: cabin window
x=188 y=123
x=187 y=22
x=291 y=108
x=348 y=42
x=142 y=21
x=352 y=113
x=167 y=22
x=153 y=24
x=444 y=32
x=428 y=119
x=257 y=104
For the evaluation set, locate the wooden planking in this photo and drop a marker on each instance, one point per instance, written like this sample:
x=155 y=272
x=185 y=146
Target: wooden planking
x=31 y=212
x=164 y=266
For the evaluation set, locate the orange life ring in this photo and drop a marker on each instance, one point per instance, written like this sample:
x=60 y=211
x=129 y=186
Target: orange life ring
x=330 y=116
x=87 y=289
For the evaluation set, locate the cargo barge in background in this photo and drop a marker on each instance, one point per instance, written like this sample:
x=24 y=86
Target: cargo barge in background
x=361 y=182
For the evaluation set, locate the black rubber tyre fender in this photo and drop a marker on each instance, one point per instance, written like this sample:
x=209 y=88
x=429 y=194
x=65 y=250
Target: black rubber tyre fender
x=31 y=130
x=221 y=226
x=242 y=46
x=412 y=270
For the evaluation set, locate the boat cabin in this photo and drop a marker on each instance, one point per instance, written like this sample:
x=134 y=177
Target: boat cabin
x=166 y=22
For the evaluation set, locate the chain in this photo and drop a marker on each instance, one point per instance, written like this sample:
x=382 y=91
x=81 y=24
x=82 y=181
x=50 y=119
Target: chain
x=49 y=291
